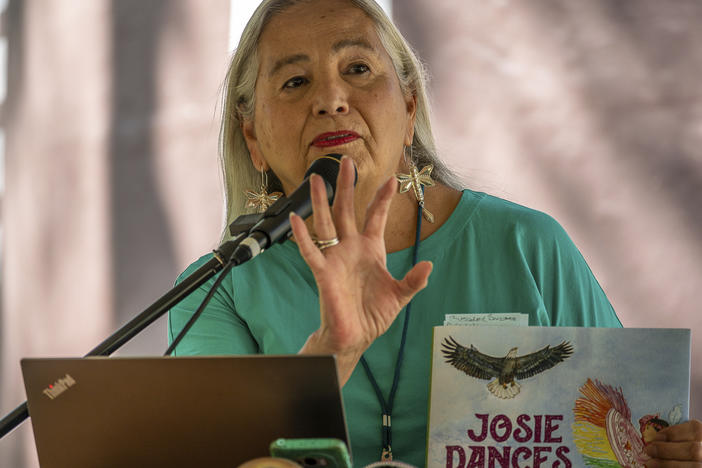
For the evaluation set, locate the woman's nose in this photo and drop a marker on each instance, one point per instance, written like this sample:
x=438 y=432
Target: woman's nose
x=331 y=98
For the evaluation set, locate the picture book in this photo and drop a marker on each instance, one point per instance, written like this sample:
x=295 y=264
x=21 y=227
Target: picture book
x=512 y=396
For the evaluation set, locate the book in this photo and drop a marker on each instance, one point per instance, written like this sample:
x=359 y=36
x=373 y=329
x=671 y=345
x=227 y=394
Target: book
x=512 y=396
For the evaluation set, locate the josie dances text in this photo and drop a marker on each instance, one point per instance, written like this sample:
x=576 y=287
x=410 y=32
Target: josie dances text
x=533 y=441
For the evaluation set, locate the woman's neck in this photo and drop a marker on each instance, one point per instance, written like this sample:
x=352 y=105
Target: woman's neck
x=402 y=219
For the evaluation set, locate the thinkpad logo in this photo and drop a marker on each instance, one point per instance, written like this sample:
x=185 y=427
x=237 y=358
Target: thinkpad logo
x=60 y=386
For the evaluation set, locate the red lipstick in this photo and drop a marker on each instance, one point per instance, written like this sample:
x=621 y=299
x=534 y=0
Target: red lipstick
x=341 y=137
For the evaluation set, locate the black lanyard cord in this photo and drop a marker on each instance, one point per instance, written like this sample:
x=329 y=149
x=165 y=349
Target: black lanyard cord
x=386 y=407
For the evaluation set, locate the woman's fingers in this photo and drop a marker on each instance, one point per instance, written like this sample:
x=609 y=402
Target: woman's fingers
x=414 y=281
x=310 y=253
x=670 y=464
x=686 y=431
x=674 y=454
x=344 y=213
x=377 y=214
x=323 y=223
x=681 y=442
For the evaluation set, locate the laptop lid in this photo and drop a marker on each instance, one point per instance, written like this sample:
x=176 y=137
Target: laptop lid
x=178 y=411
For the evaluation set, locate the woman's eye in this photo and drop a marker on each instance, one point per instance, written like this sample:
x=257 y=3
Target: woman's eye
x=295 y=82
x=358 y=69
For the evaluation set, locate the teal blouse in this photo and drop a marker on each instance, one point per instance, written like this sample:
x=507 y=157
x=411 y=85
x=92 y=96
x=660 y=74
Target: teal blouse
x=490 y=256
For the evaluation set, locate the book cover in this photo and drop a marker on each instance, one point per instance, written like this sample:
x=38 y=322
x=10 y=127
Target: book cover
x=506 y=396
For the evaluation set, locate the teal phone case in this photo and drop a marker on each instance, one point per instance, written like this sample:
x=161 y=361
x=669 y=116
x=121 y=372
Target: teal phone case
x=327 y=453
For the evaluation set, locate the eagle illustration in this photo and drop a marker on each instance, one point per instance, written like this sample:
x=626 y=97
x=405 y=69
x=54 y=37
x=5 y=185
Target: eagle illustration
x=503 y=369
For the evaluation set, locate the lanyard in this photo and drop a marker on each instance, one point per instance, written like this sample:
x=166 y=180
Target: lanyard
x=386 y=406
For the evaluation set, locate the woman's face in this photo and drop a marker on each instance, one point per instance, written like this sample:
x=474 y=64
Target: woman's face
x=326 y=85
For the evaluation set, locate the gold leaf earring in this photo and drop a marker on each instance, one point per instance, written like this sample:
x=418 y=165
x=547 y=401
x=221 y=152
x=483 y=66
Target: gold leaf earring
x=417 y=180
x=261 y=200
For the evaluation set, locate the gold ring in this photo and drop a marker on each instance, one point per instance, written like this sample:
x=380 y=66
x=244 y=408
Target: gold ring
x=326 y=243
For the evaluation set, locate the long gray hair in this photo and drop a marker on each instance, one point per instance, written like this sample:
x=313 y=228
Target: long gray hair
x=240 y=83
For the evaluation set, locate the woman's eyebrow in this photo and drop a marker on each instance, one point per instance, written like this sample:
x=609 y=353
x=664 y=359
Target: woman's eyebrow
x=359 y=42
x=289 y=60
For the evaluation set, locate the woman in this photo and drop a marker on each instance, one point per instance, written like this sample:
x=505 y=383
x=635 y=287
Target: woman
x=314 y=77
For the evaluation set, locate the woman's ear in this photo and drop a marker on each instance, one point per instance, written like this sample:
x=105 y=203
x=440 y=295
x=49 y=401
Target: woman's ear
x=411 y=115
x=249 y=132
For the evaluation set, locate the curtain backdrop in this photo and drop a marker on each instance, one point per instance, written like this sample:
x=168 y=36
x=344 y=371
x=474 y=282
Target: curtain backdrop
x=590 y=111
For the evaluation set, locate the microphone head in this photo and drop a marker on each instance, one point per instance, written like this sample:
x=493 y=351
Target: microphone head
x=328 y=168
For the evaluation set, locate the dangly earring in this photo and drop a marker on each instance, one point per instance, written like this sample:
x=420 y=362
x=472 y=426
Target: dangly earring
x=417 y=180
x=261 y=200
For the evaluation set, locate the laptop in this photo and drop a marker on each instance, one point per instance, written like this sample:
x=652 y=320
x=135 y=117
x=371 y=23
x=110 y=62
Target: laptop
x=178 y=411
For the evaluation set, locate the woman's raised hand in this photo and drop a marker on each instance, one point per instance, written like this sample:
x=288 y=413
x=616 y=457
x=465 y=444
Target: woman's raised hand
x=359 y=299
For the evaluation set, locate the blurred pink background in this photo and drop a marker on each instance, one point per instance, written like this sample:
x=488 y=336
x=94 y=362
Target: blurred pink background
x=590 y=111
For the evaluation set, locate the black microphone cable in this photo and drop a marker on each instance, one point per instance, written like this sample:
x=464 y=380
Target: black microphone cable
x=222 y=274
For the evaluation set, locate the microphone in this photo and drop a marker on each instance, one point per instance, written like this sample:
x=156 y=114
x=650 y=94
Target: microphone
x=274 y=226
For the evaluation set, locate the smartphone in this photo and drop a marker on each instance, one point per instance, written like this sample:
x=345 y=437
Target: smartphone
x=313 y=453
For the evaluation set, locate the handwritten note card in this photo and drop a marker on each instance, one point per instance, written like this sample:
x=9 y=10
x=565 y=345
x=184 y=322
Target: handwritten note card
x=517 y=320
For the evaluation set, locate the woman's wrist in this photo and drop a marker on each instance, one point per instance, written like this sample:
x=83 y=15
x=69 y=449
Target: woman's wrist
x=346 y=359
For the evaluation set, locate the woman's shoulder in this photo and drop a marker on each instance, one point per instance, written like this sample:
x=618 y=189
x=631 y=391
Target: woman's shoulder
x=193 y=267
x=490 y=222
x=494 y=213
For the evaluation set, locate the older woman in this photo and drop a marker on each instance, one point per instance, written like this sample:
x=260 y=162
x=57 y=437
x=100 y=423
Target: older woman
x=311 y=77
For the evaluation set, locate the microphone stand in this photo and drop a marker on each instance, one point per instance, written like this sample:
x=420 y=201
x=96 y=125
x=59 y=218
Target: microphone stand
x=222 y=256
